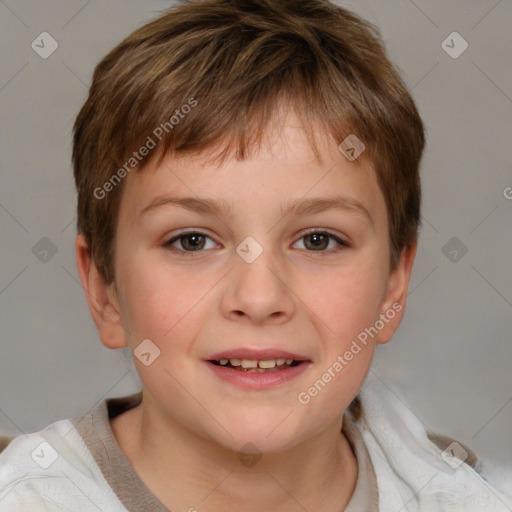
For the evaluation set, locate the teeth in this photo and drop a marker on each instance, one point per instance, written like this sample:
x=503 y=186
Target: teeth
x=247 y=363
x=259 y=366
x=252 y=363
x=267 y=364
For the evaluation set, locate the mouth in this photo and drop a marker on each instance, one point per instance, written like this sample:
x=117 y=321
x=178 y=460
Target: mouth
x=257 y=369
x=255 y=365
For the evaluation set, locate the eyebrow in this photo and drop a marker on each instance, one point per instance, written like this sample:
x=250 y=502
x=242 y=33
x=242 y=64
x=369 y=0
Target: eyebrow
x=297 y=207
x=318 y=205
x=203 y=205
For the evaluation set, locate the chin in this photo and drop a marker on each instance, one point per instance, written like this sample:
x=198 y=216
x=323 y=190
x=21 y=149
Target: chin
x=258 y=435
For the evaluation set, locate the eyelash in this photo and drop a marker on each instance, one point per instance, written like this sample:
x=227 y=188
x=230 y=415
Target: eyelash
x=342 y=244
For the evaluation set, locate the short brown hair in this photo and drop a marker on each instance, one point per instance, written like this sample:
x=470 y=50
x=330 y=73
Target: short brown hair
x=235 y=62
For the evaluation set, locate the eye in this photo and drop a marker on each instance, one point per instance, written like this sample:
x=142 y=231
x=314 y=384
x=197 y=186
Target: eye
x=314 y=241
x=190 y=242
x=321 y=240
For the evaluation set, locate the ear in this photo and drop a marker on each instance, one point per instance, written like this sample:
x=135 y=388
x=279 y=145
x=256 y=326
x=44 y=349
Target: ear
x=393 y=304
x=101 y=298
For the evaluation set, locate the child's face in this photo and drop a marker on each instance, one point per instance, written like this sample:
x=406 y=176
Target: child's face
x=193 y=305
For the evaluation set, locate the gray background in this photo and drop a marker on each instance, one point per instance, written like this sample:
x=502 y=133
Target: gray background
x=450 y=360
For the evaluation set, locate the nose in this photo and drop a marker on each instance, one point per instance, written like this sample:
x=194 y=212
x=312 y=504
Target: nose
x=258 y=292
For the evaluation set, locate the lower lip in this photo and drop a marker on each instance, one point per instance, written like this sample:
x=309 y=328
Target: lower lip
x=256 y=380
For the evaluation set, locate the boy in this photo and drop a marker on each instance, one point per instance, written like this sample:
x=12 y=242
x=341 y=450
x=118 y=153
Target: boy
x=248 y=209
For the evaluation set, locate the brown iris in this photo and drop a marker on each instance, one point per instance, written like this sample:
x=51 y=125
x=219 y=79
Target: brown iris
x=319 y=241
x=193 y=241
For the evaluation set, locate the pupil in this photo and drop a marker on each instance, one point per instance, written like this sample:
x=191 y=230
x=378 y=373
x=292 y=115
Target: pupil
x=193 y=241
x=318 y=241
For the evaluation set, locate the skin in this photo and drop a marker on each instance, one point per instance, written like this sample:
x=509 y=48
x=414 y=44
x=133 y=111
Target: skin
x=184 y=438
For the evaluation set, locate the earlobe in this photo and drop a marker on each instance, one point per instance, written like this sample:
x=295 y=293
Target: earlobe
x=101 y=298
x=393 y=305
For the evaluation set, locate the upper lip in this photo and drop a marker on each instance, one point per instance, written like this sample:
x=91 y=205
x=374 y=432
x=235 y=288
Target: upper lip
x=256 y=354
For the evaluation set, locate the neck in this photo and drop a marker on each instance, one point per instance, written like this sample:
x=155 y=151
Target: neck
x=188 y=472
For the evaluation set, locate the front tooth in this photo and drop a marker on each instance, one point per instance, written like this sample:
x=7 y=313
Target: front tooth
x=235 y=362
x=223 y=361
x=280 y=362
x=289 y=361
x=267 y=364
x=247 y=363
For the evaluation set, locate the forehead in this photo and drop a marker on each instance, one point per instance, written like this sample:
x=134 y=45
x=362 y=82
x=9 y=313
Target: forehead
x=282 y=171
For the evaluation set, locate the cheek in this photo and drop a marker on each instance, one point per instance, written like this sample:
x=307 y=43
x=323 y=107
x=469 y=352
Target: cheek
x=346 y=301
x=162 y=306
x=158 y=299
x=348 y=305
